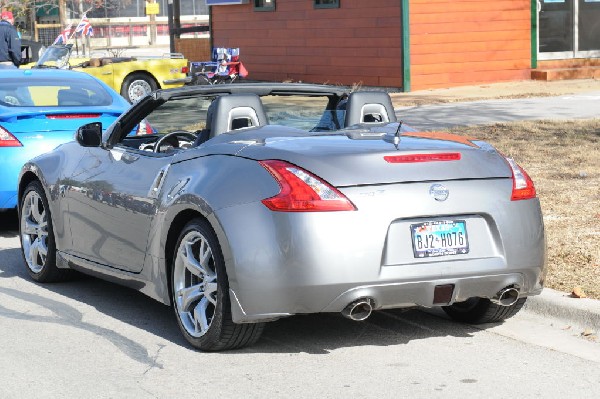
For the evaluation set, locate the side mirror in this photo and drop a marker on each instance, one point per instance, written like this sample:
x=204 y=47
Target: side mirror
x=90 y=135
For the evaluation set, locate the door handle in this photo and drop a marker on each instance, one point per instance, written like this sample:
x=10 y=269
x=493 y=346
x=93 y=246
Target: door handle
x=106 y=73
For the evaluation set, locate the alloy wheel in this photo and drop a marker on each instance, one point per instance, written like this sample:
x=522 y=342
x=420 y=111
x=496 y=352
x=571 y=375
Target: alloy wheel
x=195 y=284
x=34 y=232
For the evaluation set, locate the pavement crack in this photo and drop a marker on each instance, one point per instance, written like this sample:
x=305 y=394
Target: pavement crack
x=154 y=360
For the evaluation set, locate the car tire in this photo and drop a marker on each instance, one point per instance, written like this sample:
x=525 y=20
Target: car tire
x=38 y=246
x=200 y=293
x=137 y=85
x=482 y=310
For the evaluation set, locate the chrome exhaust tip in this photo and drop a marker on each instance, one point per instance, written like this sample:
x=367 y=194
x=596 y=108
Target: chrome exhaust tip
x=359 y=310
x=506 y=297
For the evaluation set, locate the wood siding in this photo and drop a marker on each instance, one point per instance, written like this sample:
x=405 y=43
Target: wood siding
x=461 y=42
x=358 y=43
x=452 y=42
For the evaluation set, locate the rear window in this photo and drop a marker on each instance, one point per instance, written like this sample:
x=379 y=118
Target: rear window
x=52 y=93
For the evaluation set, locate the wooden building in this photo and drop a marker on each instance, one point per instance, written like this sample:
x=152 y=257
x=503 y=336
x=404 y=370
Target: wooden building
x=408 y=44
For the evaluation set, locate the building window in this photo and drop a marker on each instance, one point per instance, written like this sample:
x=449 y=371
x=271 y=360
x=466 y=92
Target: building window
x=264 y=5
x=327 y=3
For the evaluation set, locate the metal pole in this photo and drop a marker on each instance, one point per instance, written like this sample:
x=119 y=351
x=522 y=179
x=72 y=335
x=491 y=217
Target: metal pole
x=171 y=26
x=152 y=27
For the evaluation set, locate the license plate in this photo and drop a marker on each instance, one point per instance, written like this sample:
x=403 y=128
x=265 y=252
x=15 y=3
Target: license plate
x=439 y=238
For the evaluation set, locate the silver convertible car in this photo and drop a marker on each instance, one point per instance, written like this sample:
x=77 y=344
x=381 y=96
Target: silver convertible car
x=248 y=203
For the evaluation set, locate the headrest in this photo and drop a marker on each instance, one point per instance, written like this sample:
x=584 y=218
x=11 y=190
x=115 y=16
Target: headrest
x=73 y=97
x=369 y=107
x=235 y=111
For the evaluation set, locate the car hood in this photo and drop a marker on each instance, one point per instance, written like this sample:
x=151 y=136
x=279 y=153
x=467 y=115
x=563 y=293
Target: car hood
x=369 y=156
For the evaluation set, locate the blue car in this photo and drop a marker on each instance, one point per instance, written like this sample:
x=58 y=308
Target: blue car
x=40 y=109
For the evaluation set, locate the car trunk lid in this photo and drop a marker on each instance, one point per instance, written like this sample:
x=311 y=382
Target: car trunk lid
x=365 y=158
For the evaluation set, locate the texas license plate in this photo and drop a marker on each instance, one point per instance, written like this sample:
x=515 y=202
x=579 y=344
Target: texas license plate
x=439 y=238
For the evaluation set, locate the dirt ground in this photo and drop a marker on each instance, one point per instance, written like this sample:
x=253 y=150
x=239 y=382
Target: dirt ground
x=519 y=89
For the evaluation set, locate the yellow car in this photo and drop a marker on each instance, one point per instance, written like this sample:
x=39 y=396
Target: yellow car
x=132 y=77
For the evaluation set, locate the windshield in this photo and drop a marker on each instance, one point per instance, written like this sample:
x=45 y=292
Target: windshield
x=52 y=92
x=55 y=57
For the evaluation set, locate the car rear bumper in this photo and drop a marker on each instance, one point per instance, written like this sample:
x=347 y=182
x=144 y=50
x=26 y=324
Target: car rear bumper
x=401 y=294
x=293 y=263
x=8 y=199
x=180 y=81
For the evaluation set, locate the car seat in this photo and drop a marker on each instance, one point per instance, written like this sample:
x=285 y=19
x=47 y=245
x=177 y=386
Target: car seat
x=369 y=107
x=68 y=97
x=232 y=112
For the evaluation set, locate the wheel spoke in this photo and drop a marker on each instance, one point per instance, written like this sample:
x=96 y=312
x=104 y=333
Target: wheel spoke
x=191 y=263
x=201 y=321
x=189 y=296
x=210 y=292
x=33 y=253
x=42 y=249
x=30 y=227
x=205 y=255
x=35 y=210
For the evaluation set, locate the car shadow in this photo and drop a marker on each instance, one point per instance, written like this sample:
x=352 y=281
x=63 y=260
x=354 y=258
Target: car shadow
x=313 y=334
x=9 y=223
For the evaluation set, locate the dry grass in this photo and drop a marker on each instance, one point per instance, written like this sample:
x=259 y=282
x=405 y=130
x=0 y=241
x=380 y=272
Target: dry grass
x=563 y=159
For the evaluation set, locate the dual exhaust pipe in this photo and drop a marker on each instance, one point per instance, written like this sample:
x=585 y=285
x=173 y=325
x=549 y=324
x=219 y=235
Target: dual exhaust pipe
x=362 y=308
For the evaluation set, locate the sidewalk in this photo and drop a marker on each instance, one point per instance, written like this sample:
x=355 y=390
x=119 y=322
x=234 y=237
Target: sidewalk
x=581 y=312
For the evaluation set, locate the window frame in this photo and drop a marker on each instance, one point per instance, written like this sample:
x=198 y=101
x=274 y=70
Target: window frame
x=263 y=7
x=318 y=5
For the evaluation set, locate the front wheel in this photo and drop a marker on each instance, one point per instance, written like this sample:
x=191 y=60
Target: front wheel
x=37 y=238
x=137 y=85
x=201 y=293
x=482 y=310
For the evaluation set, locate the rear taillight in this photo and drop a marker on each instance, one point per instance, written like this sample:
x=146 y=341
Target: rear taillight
x=8 y=140
x=523 y=187
x=185 y=69
x=301 y=191
x=143 y=128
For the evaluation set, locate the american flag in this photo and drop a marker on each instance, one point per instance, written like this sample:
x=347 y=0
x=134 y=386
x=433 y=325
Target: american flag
x=63 y=37
x=85 y=27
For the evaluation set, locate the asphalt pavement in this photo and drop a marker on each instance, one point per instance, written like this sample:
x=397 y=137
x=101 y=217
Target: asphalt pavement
x=443 y=116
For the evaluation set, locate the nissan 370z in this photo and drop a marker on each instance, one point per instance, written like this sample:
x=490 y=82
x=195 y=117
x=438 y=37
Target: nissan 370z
x=248 y=203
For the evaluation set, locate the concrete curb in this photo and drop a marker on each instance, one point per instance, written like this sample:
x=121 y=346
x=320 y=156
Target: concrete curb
x=582 y=312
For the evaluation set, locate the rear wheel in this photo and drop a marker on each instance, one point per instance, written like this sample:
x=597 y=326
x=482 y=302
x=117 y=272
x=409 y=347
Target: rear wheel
x=201 y=293
x=482 y=310
x=37 y=237
x=137 y=85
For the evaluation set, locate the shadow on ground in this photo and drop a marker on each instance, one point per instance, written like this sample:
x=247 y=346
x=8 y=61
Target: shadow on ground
x=314 y=334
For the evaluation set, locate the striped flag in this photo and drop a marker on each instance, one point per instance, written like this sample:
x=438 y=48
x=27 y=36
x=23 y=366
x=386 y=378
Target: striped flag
x=85 y=27
x=64 y=36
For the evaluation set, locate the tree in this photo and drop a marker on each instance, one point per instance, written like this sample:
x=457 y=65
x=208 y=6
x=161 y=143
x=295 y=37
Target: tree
x=76 y=8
